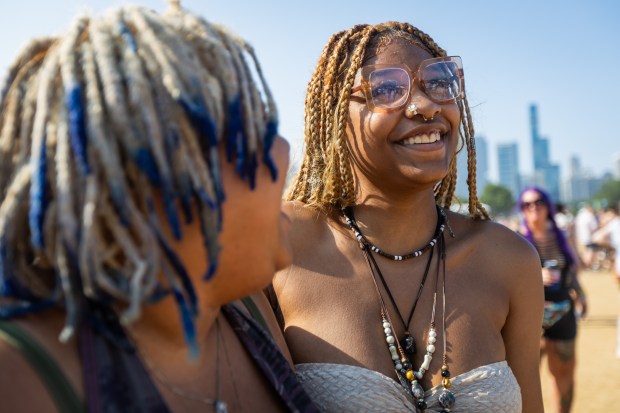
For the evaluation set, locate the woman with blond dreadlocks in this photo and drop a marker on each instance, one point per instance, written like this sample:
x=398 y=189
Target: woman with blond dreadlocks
x=130 y=148
x=394 y=303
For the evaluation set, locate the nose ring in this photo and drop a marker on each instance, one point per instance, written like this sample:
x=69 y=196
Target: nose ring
x=411 y=111
x=428 y=119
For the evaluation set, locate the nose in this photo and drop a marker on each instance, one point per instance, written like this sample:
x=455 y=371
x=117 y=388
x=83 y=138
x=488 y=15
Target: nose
x=421 y=104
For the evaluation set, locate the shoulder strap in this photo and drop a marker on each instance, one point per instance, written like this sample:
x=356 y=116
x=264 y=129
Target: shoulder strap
x=252 y=308
x=55 y=381
x=268 y=358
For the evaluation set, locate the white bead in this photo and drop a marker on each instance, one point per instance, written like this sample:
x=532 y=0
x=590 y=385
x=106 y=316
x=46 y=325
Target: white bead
x=432 y=333
x=432 y=340
x=430 y=348
x=398 y=366
x=394 y=353
x=386 y=324
x=418 y=375
x=388 y=331
x=427 y=362
x=422 y=371
x=390 y=339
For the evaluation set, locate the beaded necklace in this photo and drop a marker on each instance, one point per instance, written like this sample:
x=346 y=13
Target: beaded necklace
x=407 y=376
x=352 y=223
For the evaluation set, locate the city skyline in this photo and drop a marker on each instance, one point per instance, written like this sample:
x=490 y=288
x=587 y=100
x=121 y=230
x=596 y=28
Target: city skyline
x=555 y=60
x=572 y=184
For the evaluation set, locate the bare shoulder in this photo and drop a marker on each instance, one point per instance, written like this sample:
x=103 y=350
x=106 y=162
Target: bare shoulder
x=311 y=235
x=21 y=387
x=498 y=246
x=309 y=225
x=303 y=215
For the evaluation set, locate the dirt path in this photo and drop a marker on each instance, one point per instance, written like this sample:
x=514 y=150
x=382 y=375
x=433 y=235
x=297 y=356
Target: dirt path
x=598 y=369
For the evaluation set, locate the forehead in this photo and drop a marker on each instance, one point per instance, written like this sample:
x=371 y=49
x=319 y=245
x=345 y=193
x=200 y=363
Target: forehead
x=400 y=51
x=530 y=196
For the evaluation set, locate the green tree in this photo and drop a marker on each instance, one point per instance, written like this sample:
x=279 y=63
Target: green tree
x=499 y=198
x=610 y=191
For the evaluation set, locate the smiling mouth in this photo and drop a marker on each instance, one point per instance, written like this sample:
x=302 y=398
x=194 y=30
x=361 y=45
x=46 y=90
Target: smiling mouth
x=422 y=138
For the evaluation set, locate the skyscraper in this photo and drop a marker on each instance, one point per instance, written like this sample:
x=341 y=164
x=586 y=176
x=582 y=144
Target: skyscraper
x=544 y=170
x=508 y=161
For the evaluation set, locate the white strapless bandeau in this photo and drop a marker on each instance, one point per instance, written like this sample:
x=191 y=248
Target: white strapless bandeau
x=340 y=388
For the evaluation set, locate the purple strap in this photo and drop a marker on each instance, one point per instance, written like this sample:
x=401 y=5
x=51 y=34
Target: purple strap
x=270 y=360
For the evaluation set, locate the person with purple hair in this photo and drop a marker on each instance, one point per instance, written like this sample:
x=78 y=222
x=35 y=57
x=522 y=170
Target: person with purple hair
x=562 y=289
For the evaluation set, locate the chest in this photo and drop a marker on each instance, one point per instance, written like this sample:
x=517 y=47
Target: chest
x=333 y=308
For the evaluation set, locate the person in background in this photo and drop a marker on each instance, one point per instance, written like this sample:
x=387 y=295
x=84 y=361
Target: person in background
x=393 y=302
x=565 y=220
x=586 y=222
x=141 y=178
x=610 y=234
x=559 y=272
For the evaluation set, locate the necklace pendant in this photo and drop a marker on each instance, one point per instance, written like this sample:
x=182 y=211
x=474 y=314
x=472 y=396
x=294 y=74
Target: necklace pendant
x=220 y=406
x=408 y=345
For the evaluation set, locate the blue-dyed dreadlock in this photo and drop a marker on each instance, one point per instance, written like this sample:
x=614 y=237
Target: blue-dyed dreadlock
x=96 y=122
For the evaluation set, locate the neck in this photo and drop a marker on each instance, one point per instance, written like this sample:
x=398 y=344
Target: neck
x=538 y=228
x=398 y=226
x=159 y=329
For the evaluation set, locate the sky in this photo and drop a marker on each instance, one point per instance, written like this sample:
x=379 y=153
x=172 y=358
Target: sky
x=562 y=55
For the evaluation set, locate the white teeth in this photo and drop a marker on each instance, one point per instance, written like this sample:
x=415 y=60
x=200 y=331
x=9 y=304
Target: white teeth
x=423 y=138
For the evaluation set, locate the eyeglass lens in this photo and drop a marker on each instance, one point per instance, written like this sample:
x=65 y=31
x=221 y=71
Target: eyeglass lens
x=390 y=86
x=529 y=205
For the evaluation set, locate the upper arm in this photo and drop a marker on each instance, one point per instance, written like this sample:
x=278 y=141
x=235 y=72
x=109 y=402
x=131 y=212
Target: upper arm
x=523 y=327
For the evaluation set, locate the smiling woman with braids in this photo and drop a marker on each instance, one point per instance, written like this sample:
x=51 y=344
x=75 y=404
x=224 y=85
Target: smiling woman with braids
x=130 y=150
x=394 y=303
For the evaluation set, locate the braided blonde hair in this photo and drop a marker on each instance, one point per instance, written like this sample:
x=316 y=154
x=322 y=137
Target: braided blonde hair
x=97 y=123
x=325 y=179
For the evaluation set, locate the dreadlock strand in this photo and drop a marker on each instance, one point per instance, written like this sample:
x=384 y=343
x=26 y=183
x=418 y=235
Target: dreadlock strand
x=343 y=187
x=34 y=51
x=96 y=122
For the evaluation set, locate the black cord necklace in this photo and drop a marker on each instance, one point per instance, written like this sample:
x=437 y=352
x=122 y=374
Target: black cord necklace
x=407 y=342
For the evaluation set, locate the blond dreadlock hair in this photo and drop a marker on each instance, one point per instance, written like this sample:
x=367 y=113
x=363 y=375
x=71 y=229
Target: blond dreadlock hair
x=97 y=123
x=325 y=179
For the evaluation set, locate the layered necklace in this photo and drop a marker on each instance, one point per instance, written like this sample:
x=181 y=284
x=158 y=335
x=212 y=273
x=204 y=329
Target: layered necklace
x=402 y=351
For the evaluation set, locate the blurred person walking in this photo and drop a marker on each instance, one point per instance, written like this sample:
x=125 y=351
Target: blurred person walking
x=586 y=223
x=561 y=290
x=610 y=234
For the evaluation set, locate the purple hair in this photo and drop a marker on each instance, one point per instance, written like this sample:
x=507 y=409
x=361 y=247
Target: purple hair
x=559 y=235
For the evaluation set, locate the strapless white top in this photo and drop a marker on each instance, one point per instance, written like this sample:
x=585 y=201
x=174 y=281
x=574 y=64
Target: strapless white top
x=341 y=388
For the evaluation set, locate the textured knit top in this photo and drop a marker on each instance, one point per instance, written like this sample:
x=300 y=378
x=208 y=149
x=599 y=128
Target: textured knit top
x=351 y=389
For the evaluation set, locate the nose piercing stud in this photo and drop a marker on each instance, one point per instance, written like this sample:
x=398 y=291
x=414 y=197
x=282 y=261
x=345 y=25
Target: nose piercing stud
x=428 y=119
x=411 y=111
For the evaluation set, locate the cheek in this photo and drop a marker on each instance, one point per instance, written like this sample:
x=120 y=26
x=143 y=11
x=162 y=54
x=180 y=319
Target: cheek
x=379 y=126
x=367 y=133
